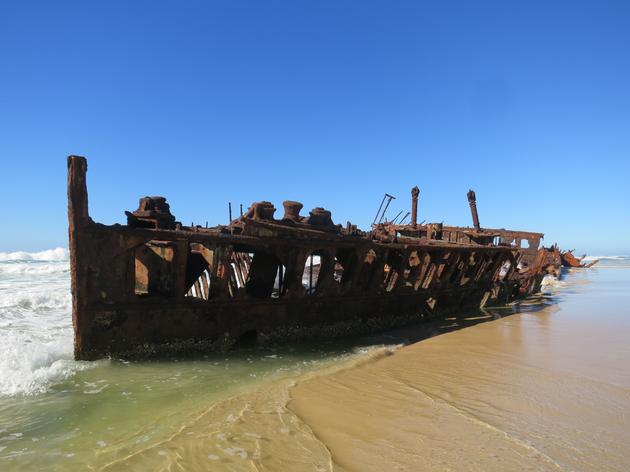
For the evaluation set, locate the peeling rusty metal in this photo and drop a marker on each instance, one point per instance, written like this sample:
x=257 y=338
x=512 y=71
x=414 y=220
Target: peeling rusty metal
x=155 y=286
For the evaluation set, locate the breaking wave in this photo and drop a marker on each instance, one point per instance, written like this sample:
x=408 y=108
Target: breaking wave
x=58 y=298
x=35 y=321
x=34 y=268
x=29 y=365
x=610 y=258
x=56 y=254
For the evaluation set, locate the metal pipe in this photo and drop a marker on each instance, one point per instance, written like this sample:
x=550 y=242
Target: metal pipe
x=379 y=208
x=415 y=192
x=472 y=201
x=310 y=277
x=389 y=200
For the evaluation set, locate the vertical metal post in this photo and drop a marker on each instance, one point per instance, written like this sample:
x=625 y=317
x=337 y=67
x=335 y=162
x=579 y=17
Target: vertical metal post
x=472 y=201
x=310 y=277
x=280 y=279
x=78 y=218
x=414 y=206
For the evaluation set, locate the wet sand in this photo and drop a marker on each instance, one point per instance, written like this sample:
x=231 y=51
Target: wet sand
x=546 y=390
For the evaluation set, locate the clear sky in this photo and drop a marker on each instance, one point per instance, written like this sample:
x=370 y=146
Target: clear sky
x=331 y=103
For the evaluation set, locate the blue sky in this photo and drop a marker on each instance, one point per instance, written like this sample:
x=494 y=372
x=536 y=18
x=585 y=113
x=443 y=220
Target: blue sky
x=331 y=103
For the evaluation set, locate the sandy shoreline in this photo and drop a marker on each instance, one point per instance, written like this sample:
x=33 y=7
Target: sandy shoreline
x=542 y=391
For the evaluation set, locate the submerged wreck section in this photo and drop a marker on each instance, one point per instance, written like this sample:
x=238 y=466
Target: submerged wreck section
x=155 y=286
x=569 y=260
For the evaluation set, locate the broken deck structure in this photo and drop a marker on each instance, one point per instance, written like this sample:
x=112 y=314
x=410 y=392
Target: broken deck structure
x=155 y=286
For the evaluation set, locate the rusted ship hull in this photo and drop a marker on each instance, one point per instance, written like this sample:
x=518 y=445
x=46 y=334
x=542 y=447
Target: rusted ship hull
x=156 y=287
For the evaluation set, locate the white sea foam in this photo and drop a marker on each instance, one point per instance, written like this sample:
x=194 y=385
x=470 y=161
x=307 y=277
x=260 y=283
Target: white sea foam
x=34 y=268
x=57 y=254
x=30 y=365
x=56 y=298
x=35 y=322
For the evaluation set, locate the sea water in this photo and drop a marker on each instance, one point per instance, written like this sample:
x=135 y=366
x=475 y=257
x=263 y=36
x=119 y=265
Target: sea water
x=60 y=414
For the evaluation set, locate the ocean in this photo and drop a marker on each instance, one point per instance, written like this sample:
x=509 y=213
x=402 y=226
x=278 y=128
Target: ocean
x=273 y=409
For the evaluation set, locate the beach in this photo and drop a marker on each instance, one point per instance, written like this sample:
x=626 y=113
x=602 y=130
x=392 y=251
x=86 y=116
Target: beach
x=543 y=384
x=541 y=390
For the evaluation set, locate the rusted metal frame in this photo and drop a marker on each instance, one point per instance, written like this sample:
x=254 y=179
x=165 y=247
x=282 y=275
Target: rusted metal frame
x=455 y=259
x=411 y=272
x=468 y=267
x=314 y=285
x=352 y=284
x=430 y=273
x=364 y=270
x=438 y=263
x=493 y=273
x=399 y=267
x=290 y=270
x=435 y=268
x=208 y=256
x=513 y=266
x=222 y=271
x=78 y=218
x=212 y=239
x=376 y=281
x=486 y=261
x=446 y=258
x=325 y=279
x=296 y=231
x=503 y=233
x=241 y=265
x=206 y=285
x=389 y=272
x=425 y=263
x=310 y=274
x=294 y=287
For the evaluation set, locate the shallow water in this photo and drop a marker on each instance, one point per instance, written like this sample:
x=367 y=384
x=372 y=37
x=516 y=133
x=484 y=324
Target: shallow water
x=230 y=412
x=59 y=414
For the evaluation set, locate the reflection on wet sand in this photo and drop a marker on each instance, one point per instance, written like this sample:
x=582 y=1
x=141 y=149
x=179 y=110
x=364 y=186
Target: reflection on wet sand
x=547 y=389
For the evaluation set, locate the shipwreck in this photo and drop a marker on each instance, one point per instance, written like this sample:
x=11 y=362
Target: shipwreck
x=156 y=287
x=570 y=260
